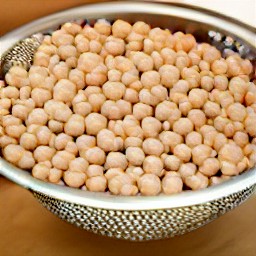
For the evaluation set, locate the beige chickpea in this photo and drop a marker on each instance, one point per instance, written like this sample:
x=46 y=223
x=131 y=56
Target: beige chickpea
x=186 y=170
x=194 y=139
x=160 y=92
x=132 y=142
x=241 y=139
x=64 y=91
x=197 y=181
x=141 y=27
x=169 y=75
x=40 y=96
x=60 y=70
x=147 y=98
x=183 y=152
x=150 y=79
x=149 y=185
x=220 y=82
x=166 y=126
x=37 y=116
x=131 y=95
x=183 y=126
x=96 y=101
x=231 y=153
x=95 y=122
x=170 y=138
x=60 y=37
x=5 y=103
x=152 y=146
x=250 y=126
x=211 y=54
x=13 y=153
x=121 y=29
x=77 y=77
x=10 y=120
x=114 y=75
x=78 y=165
x=10 y=92
x=210 y=167
x=6 y=140
x=207 y=83
x=82 y=43
x=197 y=117
x=88 y=61
x=124 y=107
x=114 y=90
x=61 y=141
x=71 y=28
x=17 y=76
x=220 y=141
x=61 y=159
x=114 y=46
x=197 y=97
x=74 y=179
x=135 y=172
x=169 y=56
x=28 y=141
x=167 y=110
x=75 y=126
x=103 y=27
x=94 y=170
x=200 y=153
x=153 y=165
x=236 y=112
x=55 y=126
x=66 y=51
x=55 y=175
x=151 y=126
x=192 y=76
x=157 y=60
x=71 y=147
x=116 y=160
x=228 y=168
x=195 y=56
x=142 y=61
x=106 y=140
x=15 y=131
x=44 y=153
x=41 y=171
x=204 y=65
x=219 y=66
x=172 y=183
x=96 y=184
x=95 y=155
x=112 y=172
x=116 y=183
x=172 y=163
x=84 y=142
x=211 y=109
x=20 y=111
x=82 y=108
x=141 y=110
x=238 y=87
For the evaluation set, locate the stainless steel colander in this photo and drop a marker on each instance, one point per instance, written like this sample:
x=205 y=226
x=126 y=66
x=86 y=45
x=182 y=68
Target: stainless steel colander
x=135 y=218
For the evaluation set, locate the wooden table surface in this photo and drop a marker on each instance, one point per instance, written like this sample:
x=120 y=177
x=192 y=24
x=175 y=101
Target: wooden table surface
x=28 y=229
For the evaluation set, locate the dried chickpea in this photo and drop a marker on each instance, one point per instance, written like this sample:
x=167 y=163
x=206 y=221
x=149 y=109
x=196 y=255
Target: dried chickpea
x=210 y=167
x=55 y=175
x=74 y=179
x=152 y=146
x=172 y=183
x=116 y=160
x=171 y=139
x=200 y=153
x=197 y=181
x=183 y=126
x=61 y=159
x=96 y=184
x=41 y=171
x=231 y=153
x=149 y=184
x=141 y=110
x=28 y=141
x=172 y=163
x=135 y=155
x=117 y=182
x=44 y=153
x=151 y=126
x=114 y=46
x=95 y=122
x=95 y=155
x=153 y=165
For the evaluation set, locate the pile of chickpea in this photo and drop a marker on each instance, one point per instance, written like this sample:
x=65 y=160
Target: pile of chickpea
x=130 y=110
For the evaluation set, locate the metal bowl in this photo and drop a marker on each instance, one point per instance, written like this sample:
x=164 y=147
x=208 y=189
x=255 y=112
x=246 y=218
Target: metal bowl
x=140 y=218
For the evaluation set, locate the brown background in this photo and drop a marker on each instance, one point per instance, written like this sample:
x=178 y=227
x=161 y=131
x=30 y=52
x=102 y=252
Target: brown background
x=26 y=228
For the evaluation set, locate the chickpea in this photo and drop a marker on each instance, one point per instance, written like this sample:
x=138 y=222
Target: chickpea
x=250 y=125
x=167 y=110
x=96 y=184
x=37 y=116
x=210 y=167
x=61 y=159
x=172 y=183
x=183 y=126
x=131 y=95
x=40 y=96
x=141 y=110
x=141 y=27
x=149 y=184
x=135 y=155
x=238 y=87
x=142 y=61
x=28 y=141
x=152 y=146
x=103 y=27
x=95 y=155
x=197 y=97
x=192 y=76
x=55 y=175
x=229 y=168
x=114 y=46
x=121 y=29
x=84 y=142
x=194 y=139
x=204 y=65
x=55 y=126
x=44 y=153
x=171 y=139
x=211 y=109
x=60 y=37
x=200 y=153
x=116 y=183
x=17 y=76
x=112 y=172
x=77 y=77
x=94 y=170
x=41 y=171
x=62 y=140
x=186 y=170
x=219 y=67
x=95 y=122
x=150 y=79
x=114 y=90
x=172 y=163
x=197 y=181
x=10 y=92
x=151 y=126
x=88 y=61
x=6 y=140
x=132 y=142
x=183 y=152
x=15 y=131
x=74 y=179
x=116 y=160
x=231 y=153
x=75 y=126
x=169 y=75
x=153 y=165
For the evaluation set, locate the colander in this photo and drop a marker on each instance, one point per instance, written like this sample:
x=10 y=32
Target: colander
x=136 y=218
